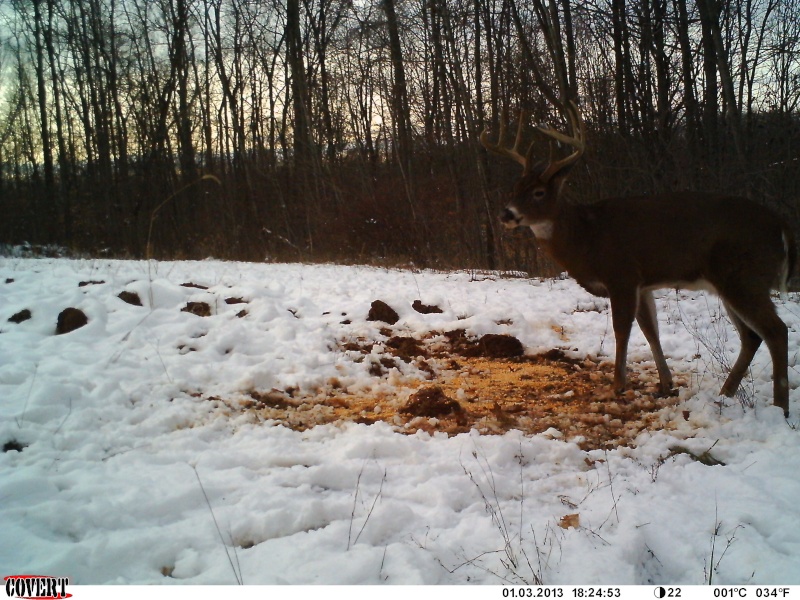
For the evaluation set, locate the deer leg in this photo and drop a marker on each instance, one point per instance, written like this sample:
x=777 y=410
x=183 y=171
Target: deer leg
x=758 y=314
x=623 y=311
x=750 y=344
x=648 y=323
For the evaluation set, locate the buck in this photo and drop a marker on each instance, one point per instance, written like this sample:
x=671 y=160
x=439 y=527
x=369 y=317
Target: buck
x=624 y=248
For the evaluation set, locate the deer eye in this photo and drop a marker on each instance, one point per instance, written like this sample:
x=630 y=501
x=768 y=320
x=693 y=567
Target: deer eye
x=538 y=193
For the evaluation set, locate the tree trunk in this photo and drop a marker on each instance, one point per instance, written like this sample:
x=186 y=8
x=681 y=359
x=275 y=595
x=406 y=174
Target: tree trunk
x=401 y=112
x=184 y=123
x=620 y=37
x=302 y=127
x=51 y=210
x=712 y=18
x=687 y=77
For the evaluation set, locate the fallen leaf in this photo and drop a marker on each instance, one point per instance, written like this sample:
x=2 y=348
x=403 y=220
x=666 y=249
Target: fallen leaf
x=567 y=521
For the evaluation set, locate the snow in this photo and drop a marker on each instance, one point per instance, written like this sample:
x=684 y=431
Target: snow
x=131 y=472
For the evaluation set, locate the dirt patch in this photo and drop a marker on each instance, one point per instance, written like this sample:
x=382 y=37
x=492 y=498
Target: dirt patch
x=431 y=402
x=21 y=316
x=493 y=345
x=130 y=297
x=466 y=384
x=70 y=319
x=201 y=309
x=13 y=445
x=425 y=309
x=406 y=348
x=380 y=311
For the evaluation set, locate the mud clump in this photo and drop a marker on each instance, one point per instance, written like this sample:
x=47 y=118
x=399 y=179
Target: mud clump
x=271 y=399
x=431 y=402
x=201 y=309
x=14 y=446
x=557 y=355
x=131 y=298
x=405 y=347
x=380 y=311
x=21 y=316
x=425 y=309
x=379 y=368
x=70 y=319
x=493 y=345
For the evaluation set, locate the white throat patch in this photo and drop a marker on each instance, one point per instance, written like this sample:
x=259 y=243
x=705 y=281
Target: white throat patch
x=543 y=230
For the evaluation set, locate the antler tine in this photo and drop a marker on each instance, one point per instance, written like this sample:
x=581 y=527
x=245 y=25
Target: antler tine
x=576 y=124
x=518 y=139
x=576 y=140
x=512 y=153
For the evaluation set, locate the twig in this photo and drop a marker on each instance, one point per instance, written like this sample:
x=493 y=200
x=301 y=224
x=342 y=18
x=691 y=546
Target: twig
x=64 y=420
x=496 y=513
x=355 y=501
x=713 y=566
x=236 y=574
x=350 y=541
x=537 y=575
x=383 y=562
x=371 y=508
x=611 y=486
x=714 y=534
x=163 y=364
x=21 y=420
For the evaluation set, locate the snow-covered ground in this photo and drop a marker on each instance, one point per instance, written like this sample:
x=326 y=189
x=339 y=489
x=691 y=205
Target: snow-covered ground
x=129 y=473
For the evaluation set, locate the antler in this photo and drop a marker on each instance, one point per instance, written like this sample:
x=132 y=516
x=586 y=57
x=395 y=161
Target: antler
x=576 y=140
x=512 y=153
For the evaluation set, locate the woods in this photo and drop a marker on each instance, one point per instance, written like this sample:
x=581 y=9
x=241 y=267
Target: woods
x=347 y=129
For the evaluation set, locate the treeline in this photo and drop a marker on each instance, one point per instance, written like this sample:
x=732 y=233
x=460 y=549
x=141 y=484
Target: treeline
x=347 y=129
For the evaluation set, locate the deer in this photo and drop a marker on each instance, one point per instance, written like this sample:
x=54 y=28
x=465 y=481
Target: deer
x=625 y=248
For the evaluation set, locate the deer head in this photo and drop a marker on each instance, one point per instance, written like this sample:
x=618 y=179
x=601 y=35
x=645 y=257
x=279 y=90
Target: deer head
x=536 y=194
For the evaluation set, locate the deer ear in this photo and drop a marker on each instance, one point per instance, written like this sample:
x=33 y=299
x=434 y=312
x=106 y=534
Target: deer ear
x=560 y=177
x=564 y=171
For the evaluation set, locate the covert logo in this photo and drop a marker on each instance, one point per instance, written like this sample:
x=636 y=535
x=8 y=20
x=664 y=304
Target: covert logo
x=36 y=587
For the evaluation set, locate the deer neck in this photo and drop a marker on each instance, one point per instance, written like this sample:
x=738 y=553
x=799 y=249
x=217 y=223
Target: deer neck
x=565 y=237
x=543 y=230
x=556 y=227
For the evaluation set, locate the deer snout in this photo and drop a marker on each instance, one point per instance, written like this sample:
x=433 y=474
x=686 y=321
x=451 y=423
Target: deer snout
x=510 y=217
